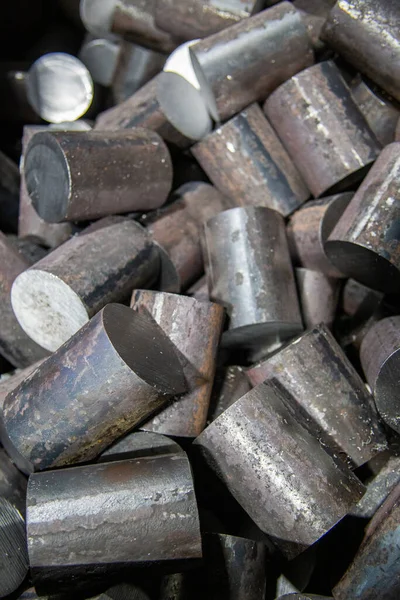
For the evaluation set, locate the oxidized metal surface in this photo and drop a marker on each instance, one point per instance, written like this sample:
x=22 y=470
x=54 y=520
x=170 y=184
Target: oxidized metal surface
x=96 y=173
x=365 y=243
x=375 y=571
x=138 y=444
x=249 y=272
x=178 y=228
x=143 y=109
x=318 y=297
x=108 y=377
x=378 y=489
x=9 y=382
x=230 y=384
x=234 y=568
x=314 y=14
x=246 y=161
x=111 y=515
x=329 y=395
x=366 y=34
x=380 y=355
x=265 y=458
x=323 y=129
x=247 y=61
x=309 y=228
x=195 y=329
x=192 y=19
x=15 y=345
x=135 y=21
x=14 y=564
x=60 y=293
x=353 y=295
x=381 y=114
x=12 y=483
x=27 y=248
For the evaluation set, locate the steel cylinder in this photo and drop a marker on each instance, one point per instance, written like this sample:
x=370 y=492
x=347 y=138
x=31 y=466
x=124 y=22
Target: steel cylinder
x=329 y=393
x=378 y=489
x=366 y=34
x=365 y=243
x=323 y=129
x=14 y=566
x=112 y=374
x=249 y=272
x=96 y=174
x=12 y=483
x=379 y=355
x=15 y=345
x=375 y=571
x=10 y=381
x=309 y=228
x=100 y=519
x=61 y=292
x=318 y=295
x=178 y=228
x=265 y=457
x=247 y=61
x=191 y=19
x=195 y=329
x=246 y=161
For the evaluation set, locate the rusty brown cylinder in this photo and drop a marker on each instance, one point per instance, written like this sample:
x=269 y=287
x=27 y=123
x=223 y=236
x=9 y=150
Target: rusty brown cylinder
x=246 y=161
x=30 y=224
x=379 y=355
x=309 y=228
x=265 y=457
x=113 y=373
x=323 y=129
x=365 y=244
x=328 y=393
x=178 y=228
x=191 y=19
x=195 y=329
x=318 y=297
x=60 y=293
x=236 y=78
x=95 y=174
x=9 y=383
x=15 y=345
x=366 y=34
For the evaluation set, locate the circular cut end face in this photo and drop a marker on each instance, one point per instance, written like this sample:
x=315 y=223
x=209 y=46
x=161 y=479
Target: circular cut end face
x=97 y=15
x=47 y=177
x=364 y=265
x=13 y=549
x=80 y=125
x=47 y=309
x=205 y=88
x=145 y=348
x=100 y=57
x=180 y=62
x=59 y=87
x=183 y=105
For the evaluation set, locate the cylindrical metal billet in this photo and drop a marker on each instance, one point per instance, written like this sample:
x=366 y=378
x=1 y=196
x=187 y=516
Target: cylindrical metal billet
x=100 y=56
x=366 y=34
x=15 y=345
x=380 y=355
x=113 y=373
x=381 y=114
x=27 y=248
x=140 y=443
x=230 y=384
x=14 y=564
x=96 y=519
x=60 y=293
x=375 y=571
x=318 y=295
x=178 y=228
x=329 y=394
x=249 y=272
x=96 y=173
x=314 y=14
x=9 y=383
x=234 y=568
x=59 y=87
x=378 y=489
x=247 y=61
x=191 y=19
x=323 y=129
x=265 y=458
x=195 y=329
x=9 y=194
x=365 y=243
x=246 y=161
x=12 y=484
x=309 y=228
x=150 y=107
